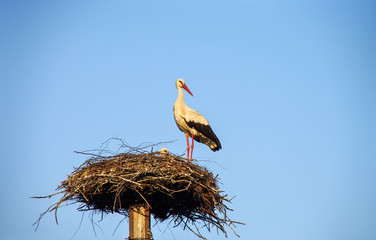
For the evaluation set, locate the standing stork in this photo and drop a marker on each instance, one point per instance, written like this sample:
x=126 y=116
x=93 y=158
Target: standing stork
x=192 y=123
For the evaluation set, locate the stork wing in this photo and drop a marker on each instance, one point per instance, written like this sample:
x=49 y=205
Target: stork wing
x=194 y=117
x=197 y=121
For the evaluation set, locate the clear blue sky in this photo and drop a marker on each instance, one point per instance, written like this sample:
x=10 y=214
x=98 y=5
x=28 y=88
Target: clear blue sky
x=289 y=87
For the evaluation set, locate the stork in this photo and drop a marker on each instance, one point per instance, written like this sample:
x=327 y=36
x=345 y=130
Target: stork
x=164 y=152
x=192 y=123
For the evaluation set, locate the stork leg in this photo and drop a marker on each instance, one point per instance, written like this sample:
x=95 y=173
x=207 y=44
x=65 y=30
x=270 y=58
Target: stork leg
x=192 y=147
x=187 y=147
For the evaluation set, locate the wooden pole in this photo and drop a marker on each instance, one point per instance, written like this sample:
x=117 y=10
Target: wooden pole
x=139 y=222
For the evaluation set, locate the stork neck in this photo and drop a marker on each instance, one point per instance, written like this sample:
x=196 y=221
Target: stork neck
x=180 y=95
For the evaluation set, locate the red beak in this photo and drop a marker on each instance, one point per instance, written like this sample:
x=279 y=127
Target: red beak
x=187 y=89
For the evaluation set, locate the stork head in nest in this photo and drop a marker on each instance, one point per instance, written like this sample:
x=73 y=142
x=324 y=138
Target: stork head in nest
x=164 y=152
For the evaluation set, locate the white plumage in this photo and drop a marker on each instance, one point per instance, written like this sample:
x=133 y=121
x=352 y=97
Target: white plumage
x=192 y=123
x=164 y=152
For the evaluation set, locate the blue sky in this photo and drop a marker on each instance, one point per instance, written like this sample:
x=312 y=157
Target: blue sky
x=288 y=87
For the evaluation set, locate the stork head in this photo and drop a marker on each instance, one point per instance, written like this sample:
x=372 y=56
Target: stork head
x=164 y=152
x=181 y=84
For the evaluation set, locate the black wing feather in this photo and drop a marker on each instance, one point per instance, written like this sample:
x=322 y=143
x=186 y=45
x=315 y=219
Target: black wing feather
x=205 y=130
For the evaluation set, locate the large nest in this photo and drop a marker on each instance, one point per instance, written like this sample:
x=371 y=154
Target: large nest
x=172 y=188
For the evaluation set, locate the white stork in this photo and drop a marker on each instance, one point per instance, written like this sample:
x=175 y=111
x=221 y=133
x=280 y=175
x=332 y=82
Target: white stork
x=164 y=152
x=192 y=123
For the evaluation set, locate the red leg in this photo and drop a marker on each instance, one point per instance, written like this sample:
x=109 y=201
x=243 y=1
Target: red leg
x=187 y=146
x=192 y=147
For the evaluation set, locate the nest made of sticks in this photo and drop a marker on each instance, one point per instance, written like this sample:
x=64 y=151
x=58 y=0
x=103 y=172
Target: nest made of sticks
x=173 y=189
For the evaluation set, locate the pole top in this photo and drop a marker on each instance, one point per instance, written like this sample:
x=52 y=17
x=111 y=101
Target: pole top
x=145 y=238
